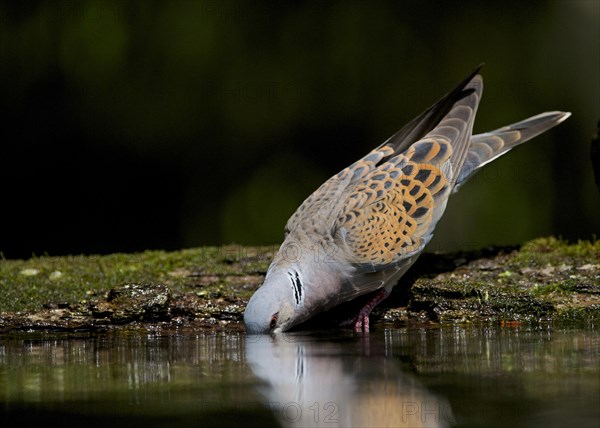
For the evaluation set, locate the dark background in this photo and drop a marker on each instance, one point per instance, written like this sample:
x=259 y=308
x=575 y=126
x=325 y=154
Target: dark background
x=127 y=126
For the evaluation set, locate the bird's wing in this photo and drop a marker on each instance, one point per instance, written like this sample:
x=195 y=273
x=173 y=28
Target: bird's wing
x=325 y=201
x=389 y=214
x=320 y=203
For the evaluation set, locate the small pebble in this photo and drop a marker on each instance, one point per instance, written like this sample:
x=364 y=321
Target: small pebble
x=30 y=272
x=56 y=275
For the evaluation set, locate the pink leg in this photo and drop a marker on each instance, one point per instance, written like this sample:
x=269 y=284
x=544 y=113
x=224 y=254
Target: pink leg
x=361 y=321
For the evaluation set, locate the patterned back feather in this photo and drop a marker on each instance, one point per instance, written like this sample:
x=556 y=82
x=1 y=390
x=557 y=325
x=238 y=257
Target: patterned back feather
x=390 y=213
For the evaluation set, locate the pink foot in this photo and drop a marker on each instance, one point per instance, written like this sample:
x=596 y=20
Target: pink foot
x=361 y=321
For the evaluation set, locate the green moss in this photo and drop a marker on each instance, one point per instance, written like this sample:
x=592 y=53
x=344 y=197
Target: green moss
x=561 y=287
x=29 y=284
x=553 y=251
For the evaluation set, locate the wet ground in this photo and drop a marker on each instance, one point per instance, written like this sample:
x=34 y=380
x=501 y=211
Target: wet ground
x=465 y=375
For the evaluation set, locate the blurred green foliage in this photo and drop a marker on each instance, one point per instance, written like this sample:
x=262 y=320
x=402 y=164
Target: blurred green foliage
x=251 y=105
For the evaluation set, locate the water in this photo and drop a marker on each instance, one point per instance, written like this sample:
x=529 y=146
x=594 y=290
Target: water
x=517 y=376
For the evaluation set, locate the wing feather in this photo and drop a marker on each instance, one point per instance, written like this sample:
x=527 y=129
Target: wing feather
x=389 y=215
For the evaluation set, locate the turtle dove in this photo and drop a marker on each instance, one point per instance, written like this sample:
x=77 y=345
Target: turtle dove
x=364 y=227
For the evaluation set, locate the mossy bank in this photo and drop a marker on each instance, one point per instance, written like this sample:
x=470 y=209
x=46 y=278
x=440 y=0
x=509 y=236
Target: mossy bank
x=207 y=288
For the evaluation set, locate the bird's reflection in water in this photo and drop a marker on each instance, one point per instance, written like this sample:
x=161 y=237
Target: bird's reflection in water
x=310 y=381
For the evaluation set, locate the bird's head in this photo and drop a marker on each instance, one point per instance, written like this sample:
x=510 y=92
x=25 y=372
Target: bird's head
x=279 y=304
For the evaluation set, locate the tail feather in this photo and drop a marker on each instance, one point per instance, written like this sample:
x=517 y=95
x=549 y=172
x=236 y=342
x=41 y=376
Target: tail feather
x=486 y=147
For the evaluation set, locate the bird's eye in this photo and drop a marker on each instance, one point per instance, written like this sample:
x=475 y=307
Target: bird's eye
x=273 y=322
